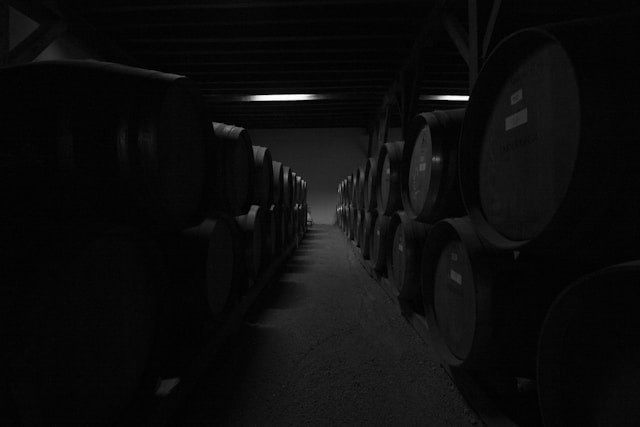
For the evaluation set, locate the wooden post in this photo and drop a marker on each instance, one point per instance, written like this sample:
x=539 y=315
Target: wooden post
x=4 y=34
x=474 y=59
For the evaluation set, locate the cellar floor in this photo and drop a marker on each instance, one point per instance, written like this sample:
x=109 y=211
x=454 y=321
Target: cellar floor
x=326 y=346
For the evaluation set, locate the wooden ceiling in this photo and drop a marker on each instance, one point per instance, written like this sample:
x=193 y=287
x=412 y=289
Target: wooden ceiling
x=364 y=57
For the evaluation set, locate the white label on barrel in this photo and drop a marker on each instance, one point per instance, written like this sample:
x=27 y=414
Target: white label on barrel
x=422 y=167
x=378 y=232
x=388 y=171
x=455 y=276
x=516 y=119
x=400 y=248
x=516 y=97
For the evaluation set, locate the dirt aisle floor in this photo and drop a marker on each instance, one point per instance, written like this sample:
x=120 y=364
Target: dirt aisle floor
x=327 y=346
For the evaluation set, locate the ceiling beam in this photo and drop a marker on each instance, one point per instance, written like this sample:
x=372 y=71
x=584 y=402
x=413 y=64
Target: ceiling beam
x=458 y=35
x=36 y=42
x=390 y=38
x=493 y=17
x=244 y=5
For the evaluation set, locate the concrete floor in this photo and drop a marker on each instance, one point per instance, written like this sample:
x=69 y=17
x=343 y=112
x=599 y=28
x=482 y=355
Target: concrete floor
x=327 y=346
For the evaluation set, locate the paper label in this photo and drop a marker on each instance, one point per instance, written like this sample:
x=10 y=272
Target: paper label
x=515 y=120
x=378 y=232
x=516 y=97
x=455 y=276
x=422 y=167
x=400 y=248
x=388 y=171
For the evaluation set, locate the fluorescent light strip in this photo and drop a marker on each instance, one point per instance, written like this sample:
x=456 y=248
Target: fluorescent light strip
x=444 y=97
x=284 y=97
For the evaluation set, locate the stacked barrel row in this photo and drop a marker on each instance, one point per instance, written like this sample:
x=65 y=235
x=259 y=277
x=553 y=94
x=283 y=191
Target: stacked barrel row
x=535 y=273
x=131 y=228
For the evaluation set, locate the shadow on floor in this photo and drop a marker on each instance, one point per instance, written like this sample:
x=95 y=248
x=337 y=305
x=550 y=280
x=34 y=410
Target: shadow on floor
x=281 y=295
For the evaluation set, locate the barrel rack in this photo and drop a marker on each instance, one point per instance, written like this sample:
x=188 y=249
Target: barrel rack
x=498 y=401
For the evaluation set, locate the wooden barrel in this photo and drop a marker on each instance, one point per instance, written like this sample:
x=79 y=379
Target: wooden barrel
x=235 y=167
x=388 y=167
x=368 y=230
x=353 y=221
x=430 y=185
x=198 y=293
x=262 y=191
x=546 y=161
x=358 y=188
x=298 y=191
x=251 y=226
x=370 y=189
x=79 y=325
x=296 y=220
x=294 y=188
x=289 y=224
x=592 y=328
x=304 y=192
x=274 y=238
x=287 y=185
x=404 y=256
x=278 y=183
x=380 y=243
x=349 y=192
x=359 y=232
x=132 y=139
x=484 y=309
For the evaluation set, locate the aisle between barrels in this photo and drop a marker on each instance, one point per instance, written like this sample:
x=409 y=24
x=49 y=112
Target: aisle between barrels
x=326 y=346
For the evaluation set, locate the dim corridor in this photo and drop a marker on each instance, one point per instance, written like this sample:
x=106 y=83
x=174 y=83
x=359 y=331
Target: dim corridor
x=326 y=346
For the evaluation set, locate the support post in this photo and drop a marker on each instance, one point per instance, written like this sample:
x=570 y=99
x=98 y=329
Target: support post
x=4 y=34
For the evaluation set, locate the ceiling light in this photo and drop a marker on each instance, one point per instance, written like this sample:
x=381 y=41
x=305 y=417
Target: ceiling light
x=444 y=97
x=284 y=97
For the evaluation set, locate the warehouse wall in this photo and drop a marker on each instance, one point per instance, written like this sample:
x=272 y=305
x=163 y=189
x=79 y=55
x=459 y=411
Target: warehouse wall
x=323 y=157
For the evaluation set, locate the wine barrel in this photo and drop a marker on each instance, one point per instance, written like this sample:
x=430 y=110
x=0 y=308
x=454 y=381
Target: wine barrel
x=359 y=231
x=592 y=327
x=278 y=183
x=287 y=185
x=252 y=227
x=275 y=238
x=235 y=167
x=294 y=190
x=430 y=186
x=353 y=222
x=298 y=192
x=546 y=161
x=358 y=188
x=388 y=174
x=370 y=189
x=198 y=293
x=80 y=325
x=368 y=230
x=304 y=192
x=289 y=224
x=484 y=309
x=349 y=192
x=262 y=194
x=404 y=256
x=132 y=139
x=380 y=243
